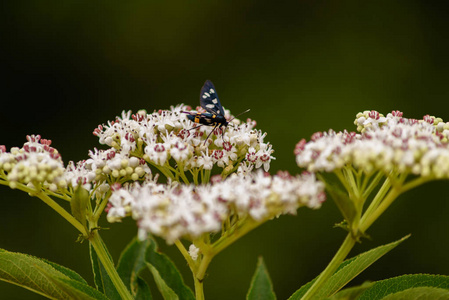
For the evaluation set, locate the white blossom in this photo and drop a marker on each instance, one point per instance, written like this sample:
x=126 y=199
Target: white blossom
x=36 y=164
x=194 y=251
x=419 y=147
x=167 y=136
x=175 y=211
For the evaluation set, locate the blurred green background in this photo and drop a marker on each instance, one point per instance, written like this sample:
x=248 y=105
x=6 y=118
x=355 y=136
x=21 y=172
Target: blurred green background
x=301 y=66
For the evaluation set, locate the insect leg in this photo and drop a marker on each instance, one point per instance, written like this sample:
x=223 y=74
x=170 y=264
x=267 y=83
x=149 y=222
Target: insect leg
x=195 y=127
x=210 y=133
x=223 y=131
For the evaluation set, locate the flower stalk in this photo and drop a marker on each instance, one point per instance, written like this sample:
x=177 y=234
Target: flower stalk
x=98 y=245
x=338 y=258
x=392 y=147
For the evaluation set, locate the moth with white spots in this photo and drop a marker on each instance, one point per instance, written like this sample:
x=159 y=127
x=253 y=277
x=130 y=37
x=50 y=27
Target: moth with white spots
x=215 y=115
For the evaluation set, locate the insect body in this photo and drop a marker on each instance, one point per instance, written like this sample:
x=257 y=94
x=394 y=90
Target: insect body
x=215 y=115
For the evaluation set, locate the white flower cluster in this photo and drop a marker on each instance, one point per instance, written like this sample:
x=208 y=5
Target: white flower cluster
x=119 y=167
x=388 y=143
x=36 y=165
x=174 y=211
x=164 y=138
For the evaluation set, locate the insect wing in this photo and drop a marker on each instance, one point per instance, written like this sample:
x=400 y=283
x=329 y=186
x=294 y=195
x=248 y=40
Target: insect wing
x=209 y=99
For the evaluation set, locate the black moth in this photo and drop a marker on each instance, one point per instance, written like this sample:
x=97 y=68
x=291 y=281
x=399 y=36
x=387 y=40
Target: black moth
x=215 y=115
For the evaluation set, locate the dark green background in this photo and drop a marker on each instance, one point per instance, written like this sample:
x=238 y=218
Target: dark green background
x=301 y=67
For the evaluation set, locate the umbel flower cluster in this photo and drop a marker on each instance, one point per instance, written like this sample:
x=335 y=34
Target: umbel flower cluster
x=177 y=211
x=410 y=146
x=144 y=146
x=165 y=140
x=36 y=165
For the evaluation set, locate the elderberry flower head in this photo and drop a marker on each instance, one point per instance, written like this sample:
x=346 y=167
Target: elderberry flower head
x=419 y=147
x=106 y=166
x=36 y=165
x=175 y=211
x=169 y=141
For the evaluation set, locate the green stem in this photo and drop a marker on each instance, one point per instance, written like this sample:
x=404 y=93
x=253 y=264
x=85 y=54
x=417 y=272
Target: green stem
x=98 y=245
x=349 y=175
x=236 y=166
x=100 y=208
x=235 y=233
x=62 y=212
x=341 y=254
x=205 y=261
x=163 y=170
x=64 y=197
x=195 y=175
x=377 y=199
x=206 y=177
x=367 y=221
x=209 y=251
x=367 y=191
x=199 y=290
x=196 y=270
x=186 y=254
x=342 y=178
x=182 y=174
x=414 y=183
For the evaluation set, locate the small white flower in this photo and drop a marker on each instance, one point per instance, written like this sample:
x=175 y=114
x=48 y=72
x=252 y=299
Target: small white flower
x=181 y=151
x=391 y=143
x=264 y=156
x=194 y=251
x=157 y=153
x=36 y=165
x=205 y=161
x=167 y=140
x=185 y=211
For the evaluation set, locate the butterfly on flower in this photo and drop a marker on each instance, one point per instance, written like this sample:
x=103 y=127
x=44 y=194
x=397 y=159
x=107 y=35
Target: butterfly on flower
x=214 y=115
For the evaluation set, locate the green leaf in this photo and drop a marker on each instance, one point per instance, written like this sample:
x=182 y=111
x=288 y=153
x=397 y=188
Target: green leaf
x=348 y=270
x=79 y=203
x=131 y=263
x=421 y=293
x=47 y=279
x=143 y=290
x=165 y=290
x=69 y=273
x=401 y=283
x=101 y=278
x=352 y=293
x=261 y=286
x=166 y=275
x=75 y=289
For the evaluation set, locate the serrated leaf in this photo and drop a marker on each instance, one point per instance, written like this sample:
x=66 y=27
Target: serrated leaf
x=261 y=286
x=352 y=293
x=420 y=293
x=131 y=263
x=101 y=278
x=401 y=283
x=348 y=270
x=166 y=275
x=69 y=273
x=75 y=289
x=43 y=278
x=79 y=203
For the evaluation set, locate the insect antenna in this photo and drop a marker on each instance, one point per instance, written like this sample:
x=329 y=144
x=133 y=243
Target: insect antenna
x=223 y=130
x=240 y=114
